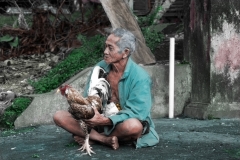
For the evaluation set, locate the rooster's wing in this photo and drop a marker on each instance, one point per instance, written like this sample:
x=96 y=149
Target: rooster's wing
x=79 y=111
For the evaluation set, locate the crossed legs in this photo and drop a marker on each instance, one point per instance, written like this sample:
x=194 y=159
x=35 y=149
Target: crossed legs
x=128 y=130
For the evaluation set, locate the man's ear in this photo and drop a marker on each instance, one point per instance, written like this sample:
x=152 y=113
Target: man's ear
x=126 y=53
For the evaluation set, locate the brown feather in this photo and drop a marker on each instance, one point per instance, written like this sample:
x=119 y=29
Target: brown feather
x=80 y=107
x=74 y=96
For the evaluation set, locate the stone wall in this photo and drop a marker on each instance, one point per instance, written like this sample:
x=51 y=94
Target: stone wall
x=160 y=89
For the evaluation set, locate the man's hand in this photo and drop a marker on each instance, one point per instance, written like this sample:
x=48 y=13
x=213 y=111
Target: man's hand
x=98 y=119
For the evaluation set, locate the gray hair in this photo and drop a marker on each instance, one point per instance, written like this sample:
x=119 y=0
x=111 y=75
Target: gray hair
x=127 y=40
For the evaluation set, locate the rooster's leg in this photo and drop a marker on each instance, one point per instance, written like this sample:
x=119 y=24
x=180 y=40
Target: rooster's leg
x=86 y=146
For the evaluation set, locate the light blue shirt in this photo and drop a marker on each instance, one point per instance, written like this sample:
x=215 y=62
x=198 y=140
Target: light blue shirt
x=135 y=99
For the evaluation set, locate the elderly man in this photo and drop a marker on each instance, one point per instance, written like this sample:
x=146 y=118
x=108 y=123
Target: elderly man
x=131 y=92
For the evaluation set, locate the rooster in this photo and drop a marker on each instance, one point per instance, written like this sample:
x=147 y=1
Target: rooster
x=81 y=108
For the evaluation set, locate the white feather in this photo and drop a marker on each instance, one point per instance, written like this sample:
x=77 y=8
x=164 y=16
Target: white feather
x=97 y=84
x=95 y=76
x=110 y=109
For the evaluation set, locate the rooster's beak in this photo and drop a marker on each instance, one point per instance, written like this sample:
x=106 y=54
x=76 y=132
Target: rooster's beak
x=58 y=90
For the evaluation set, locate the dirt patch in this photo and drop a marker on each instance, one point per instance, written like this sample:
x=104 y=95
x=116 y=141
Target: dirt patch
x=16 y=72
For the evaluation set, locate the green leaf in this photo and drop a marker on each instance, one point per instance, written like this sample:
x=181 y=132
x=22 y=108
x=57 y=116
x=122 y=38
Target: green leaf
x=15 y=42
x=6 y=38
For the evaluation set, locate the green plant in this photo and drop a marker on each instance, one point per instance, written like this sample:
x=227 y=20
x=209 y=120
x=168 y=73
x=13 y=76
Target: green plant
x=211 y=117
x=13 y=41
x=12 y=112
x=152 y=37
x=149 y=19
x=85 y=56
x=35 y=156
x=11 y=20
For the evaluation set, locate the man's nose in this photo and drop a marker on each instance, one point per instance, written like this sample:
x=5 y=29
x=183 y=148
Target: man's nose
x=105 y=51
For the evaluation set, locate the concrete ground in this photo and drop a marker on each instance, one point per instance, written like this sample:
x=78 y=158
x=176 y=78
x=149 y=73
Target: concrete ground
x=183 y=139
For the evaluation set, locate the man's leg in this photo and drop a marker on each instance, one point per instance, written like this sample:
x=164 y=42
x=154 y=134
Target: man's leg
x=129 y=130
x=64 y=120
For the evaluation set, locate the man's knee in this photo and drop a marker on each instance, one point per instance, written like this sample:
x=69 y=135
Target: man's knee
x=58 y=117
x=133 y=126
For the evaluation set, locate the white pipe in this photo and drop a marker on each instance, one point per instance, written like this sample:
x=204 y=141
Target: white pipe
x=171 y=77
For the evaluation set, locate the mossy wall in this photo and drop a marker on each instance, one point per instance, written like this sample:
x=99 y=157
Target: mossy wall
x=225 y=56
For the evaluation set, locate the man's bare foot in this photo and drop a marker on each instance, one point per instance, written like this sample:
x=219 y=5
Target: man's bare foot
x=113 y=142
x=80 y=140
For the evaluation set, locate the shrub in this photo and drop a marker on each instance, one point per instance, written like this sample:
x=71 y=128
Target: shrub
x=11 y=113
x=85 y=56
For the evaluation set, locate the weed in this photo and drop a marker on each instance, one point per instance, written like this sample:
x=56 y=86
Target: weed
x=12 y=41
x=152 y=37
x=35 y=156
x=12 y=112
x=148 y=20
x=11 y=20
x=85 y=56
x=211 y=117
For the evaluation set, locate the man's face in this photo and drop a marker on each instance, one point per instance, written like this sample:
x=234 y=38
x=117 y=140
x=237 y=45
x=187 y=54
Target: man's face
x=111 y=54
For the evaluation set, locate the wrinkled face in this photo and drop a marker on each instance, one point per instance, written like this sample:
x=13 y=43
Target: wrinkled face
x=111 y=52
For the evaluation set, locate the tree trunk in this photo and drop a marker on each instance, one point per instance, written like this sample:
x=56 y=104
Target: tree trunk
x=130 y=4
x=120 y=16
x=165 y=6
